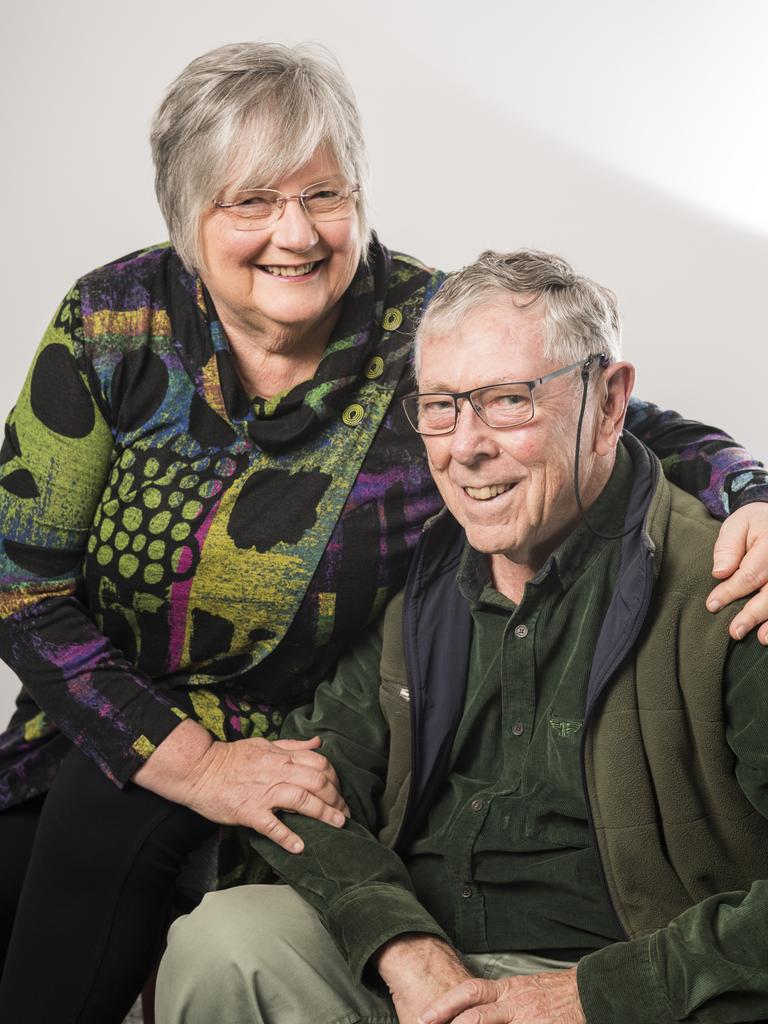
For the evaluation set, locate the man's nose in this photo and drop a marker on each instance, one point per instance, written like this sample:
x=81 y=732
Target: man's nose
x=471 y=437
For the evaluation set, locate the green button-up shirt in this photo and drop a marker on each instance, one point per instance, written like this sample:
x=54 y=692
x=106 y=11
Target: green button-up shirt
x=505 y=859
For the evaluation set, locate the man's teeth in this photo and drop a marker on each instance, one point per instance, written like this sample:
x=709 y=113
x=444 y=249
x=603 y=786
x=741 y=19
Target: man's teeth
x=290 y=271
x=484 y=493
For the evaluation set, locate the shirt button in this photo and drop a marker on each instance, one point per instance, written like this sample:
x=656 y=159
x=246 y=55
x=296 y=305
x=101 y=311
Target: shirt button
x=518 y=729
x=466 y=891
x=353 y=414
x=521 y=632
x=375 y=368
x=392 y=319
x=476 y=805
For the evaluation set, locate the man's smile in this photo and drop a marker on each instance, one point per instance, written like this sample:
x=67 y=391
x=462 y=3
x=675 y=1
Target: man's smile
x=488 y=491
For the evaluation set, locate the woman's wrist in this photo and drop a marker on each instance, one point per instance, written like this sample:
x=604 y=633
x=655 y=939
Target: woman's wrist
x=174 y=767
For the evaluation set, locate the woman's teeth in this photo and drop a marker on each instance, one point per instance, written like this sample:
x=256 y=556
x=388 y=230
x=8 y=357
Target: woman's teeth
x=484 y=493
x=305 y=268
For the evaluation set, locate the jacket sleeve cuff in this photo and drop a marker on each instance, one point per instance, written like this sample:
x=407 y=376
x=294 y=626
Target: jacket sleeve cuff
x=619 y=983
x=363 y=921
x=752 y=492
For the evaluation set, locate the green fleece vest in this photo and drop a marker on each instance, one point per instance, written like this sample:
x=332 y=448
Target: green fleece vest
x=671 y=822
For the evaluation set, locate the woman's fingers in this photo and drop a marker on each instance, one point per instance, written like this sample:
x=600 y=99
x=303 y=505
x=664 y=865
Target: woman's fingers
x=309 y=744
x=314 y=782
x=290 y=798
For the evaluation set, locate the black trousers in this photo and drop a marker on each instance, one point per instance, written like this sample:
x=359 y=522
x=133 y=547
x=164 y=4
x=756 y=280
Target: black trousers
x=87 y=883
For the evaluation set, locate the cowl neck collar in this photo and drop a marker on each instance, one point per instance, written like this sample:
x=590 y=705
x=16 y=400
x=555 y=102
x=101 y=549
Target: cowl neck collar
x=292 y=417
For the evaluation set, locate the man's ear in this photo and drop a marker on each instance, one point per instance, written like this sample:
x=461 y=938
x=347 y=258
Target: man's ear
x=615 y=388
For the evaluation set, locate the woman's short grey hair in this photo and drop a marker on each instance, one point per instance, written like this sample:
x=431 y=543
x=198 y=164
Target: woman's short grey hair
x=248 y=115
x=581 y=317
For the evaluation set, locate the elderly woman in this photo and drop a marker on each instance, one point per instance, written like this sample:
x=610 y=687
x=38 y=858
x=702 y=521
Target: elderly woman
x=207 y=490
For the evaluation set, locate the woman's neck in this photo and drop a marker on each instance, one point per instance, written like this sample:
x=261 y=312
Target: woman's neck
x=271 y=360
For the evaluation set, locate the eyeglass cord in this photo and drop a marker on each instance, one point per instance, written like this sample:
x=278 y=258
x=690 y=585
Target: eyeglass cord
x=582 y=510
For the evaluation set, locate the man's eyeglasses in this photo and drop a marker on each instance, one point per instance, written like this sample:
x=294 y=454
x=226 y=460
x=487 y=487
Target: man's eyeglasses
x=497 y=405
x=254 y=208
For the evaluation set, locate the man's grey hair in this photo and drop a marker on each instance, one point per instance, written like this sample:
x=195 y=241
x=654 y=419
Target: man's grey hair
x=581 y=317
x=247 y=115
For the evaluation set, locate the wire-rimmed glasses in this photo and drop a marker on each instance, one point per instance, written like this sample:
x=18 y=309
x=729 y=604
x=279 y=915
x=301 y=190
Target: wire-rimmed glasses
x=498 y=405
x=254 y=208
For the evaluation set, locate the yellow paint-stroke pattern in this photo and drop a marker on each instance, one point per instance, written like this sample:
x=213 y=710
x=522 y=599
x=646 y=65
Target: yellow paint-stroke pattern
x=208 y=712
x=209 y=375
x=35 y=728
x=326 y=609
x=131 y=323
x=144 y=747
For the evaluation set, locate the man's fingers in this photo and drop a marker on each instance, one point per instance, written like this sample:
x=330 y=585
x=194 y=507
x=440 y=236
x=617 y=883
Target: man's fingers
x=469 y=995
x=491 y=1013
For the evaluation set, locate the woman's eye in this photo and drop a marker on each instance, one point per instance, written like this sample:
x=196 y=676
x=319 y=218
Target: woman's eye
x=255 y=201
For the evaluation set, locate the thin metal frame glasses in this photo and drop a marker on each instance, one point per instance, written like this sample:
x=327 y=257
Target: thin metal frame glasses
x=327 y=200
x=511 y=404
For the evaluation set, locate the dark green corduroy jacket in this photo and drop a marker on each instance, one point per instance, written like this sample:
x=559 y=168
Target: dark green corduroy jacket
x=671 y=823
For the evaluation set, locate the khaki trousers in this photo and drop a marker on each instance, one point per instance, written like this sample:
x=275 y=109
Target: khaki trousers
x=258 y=954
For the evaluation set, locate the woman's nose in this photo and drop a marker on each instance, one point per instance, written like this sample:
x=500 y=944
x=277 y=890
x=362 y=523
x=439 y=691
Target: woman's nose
x=294 y=230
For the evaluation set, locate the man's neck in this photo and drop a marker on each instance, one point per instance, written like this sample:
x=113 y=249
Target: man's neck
x=509 y=575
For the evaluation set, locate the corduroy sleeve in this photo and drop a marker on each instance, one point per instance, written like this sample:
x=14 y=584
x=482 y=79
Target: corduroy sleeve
x=358 y=886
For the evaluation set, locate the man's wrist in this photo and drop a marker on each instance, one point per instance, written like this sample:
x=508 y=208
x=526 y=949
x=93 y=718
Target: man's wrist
x=408 y=957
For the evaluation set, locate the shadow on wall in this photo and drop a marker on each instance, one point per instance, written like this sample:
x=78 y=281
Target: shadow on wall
x=686 y=280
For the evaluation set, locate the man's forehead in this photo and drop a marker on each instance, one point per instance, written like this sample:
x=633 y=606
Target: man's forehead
x=499 y=339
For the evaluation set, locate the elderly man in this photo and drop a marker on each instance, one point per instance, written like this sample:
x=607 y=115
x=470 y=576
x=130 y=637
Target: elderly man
x=554 y=757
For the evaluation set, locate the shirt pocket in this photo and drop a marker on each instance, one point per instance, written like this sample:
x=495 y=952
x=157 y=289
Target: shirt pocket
x=556 y=807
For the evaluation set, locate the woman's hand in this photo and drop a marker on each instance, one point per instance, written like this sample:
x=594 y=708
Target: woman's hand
x=244 y=782
x=741 y=561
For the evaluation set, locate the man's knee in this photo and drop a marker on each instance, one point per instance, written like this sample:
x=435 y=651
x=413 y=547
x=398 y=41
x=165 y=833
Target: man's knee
x=234 y=936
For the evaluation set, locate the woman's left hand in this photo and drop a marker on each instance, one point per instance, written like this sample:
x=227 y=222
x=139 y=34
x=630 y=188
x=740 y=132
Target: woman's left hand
x=741 y=561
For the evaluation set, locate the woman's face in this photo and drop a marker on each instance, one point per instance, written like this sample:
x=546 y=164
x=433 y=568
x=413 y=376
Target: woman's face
x=252 y=274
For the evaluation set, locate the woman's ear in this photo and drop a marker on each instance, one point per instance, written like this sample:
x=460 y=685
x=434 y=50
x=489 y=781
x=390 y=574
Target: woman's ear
x=615 y=388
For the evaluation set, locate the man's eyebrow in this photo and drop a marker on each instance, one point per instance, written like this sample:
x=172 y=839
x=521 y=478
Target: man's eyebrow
x=429 y=387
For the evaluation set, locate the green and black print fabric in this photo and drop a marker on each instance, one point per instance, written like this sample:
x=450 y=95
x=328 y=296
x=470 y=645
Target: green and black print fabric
x=171 y=548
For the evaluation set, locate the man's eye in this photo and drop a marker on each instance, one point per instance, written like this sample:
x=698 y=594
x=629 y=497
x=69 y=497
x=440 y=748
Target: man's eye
x=436 y=405
x=506 y=400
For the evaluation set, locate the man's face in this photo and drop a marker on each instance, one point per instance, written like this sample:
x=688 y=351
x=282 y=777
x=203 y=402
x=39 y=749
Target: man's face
x=511 y=489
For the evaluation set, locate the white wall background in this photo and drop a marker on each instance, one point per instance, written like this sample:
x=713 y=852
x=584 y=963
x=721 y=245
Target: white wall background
x=629 y=137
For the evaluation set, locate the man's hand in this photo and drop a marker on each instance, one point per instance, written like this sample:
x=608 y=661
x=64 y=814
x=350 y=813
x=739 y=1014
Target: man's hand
x=741 y=561
x=417 y=969
x=548 y=998
x=244 y=782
